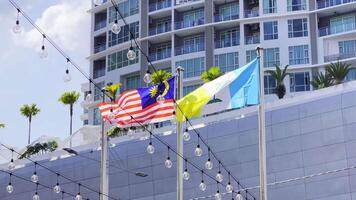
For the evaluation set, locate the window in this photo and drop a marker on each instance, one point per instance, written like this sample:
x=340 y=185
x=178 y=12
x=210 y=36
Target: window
x=299 y=81
x=161 y=51
x=192 y=67
x=124 y=34
x=229 y=11
x=119 y=59
x=270 y=30
x=298 y=55
x=86 y=122
x=96 y=117
x=269 y=6
x=227 y=62
x=342 y=24
x=193 y=18
x=250 y=55
x=99 y=68
x=190 y=88
x=228 y=38
x=347 y=49
x=270 y=84
x=127 y=8
x=97 y=91
x=271 y=57
x=133 y=82
x=295 y=5
x=191 y=44
x=351 y=75
x=297 y=28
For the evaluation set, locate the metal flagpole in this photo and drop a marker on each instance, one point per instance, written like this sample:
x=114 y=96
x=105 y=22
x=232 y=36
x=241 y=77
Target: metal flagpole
x=262 y=131
x=104 y=175
x=179 y=138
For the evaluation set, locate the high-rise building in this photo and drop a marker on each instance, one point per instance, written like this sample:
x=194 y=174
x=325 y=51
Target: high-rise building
x=199 y=34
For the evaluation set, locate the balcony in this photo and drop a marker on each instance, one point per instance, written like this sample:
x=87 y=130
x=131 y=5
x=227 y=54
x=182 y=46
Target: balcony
x=99 y=25
x=255 y=39
x=227 y=43
x=160 y=55
x=339 y=56
x=160 y=5
x=186 y=24
x=329 y=3
x=179 y=2
x=340 y=28
x=180 y=50
x=99 y=47
x=160 y=29
x=220 y=18
x=251 y=13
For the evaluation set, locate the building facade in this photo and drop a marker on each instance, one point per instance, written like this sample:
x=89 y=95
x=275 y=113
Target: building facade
x=199 y=34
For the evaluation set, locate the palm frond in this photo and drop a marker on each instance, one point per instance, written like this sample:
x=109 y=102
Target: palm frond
x=321 y=81
x=69 y=98
x=112 y=89
x=2 y=125
x=211 y=74
x=29 y=110
x=338 y=71
x=159 y=76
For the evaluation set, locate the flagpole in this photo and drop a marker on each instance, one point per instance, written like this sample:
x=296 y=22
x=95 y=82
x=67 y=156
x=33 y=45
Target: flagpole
x=262 y=131
x=104 y=175
x=179 y=138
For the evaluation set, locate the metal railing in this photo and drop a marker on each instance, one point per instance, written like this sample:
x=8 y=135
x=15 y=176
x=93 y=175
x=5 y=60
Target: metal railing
x=251 y=13
x=186 y=24
x=179 y=2
x=180 y=50
x=220 y=18
x=99 y=25
x=227 y=43
x=330 y=30
x=157 y=30
x=329 y=3
x=160 y=5
x=339 y=56
x=252 y=39
x=99 y=47
x=160 y=55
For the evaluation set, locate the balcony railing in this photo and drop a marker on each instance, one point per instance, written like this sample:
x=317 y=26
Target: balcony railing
x=220 y=18
x=227 y=43
x=160 y=55
x=160 y=5
x=99 y=47
x=252 y=39
x=186 y=24
x=251 y=13
x=162 y=29
x=100 y=25
x=339 y=56
x=179 y=2
x=330 y=30
x=190 y=48
x=329 y=3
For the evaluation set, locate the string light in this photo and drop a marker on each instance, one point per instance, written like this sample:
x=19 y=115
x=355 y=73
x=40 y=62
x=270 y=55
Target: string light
x=43 y=51
x=78 y=197
x=130 y=132
x=131 y=54
x=67 y=77
x=34 y=177
x=198 y=151
x=186 y=174
x=202 y=185
x=168 y=162
x=217 y=195
x=57 y=188
x=12 y=164
x=89 y=96
x=186 y=135
x=160 y=99
x=147 y=78
x=98 y=2
x=9 y=187
x=17 y=28
x=116 y=28
x=219 y=177
x=229 y=188
x=209 y=164
x=239 y=196
x=36 y=196
x=150 y=148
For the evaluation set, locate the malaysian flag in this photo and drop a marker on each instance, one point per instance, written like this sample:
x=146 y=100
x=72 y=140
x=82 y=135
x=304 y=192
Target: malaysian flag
x=140 y=106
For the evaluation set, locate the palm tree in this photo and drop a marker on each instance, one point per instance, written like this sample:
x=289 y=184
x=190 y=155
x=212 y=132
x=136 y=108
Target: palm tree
x=112 y=90
x=29 y=111
x=2 y=125
x=338 y=71
x=70 y=98
x=210 y=75
x=321 y=81
x=279 y=76
x=159 y=76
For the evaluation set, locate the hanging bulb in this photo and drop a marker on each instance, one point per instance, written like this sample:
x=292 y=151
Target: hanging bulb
x=17 y=28
x=98 y=2
x=150 y=148
x=209 y=164
x=217 y=195
x=43 y=52
x=198 y=151
x=78 y=197
x=111 y=115
x=34 y=177
x=186 y=175
x=130 y=132
x=11 y=165
x=57 y=189
x=186 y=135
x=36 y=197
x=67 y=77
x=202 y=185
x=115 y=28
x=9 y=188
x=160 y=99
x=238 y=196
x=147 y=78
x=89 y=97
x=229 y=188
x=168 y=163
x=219 y=177
x=131 y=54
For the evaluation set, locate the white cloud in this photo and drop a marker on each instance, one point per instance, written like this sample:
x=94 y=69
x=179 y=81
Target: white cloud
x=67 y=23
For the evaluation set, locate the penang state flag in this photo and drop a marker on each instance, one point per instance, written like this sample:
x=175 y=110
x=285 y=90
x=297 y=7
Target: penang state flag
x=243 y=87
x=139 y=106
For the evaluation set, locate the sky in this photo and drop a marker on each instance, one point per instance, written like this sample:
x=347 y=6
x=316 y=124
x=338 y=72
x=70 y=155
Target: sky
x=25 y=78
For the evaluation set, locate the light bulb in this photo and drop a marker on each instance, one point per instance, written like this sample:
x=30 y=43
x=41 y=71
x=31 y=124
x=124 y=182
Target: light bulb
x=160 y=99
x=217 y=195
x=34 y=178
x=238 y=196
x=57 y=189
x=67 y=77
x=131 y=54
x=168 y=163
x=130 y=132
x=186 y=135
x=43 y=52
x=150 y=148
x=11 y=165
x=111 y=115
x=147 y=78
x=78 y=197
x=229 y=188
x=209 y=164
x=202 y=186
x=9 y=188
x=89 y=97
x=17 y=28
x=198 y=151
x=219 y=177
x=115 y=28
x=98 y=2
x=36 y=197
x=186 y=175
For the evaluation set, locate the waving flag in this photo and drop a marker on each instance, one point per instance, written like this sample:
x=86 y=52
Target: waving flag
x=140 y=106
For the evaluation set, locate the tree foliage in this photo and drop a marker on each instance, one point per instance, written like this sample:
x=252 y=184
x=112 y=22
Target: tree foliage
x=69 y=98
x=159 y=76
x=279 y=75
x=29 y=110
x=321 y=81
x=112 y=89
x=211 y=74
x=39 y=148
x=338 y=71
x=118 y=131
x=2 y=125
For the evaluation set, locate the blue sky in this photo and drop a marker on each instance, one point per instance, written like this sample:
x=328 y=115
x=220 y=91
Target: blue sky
x=25 y=78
